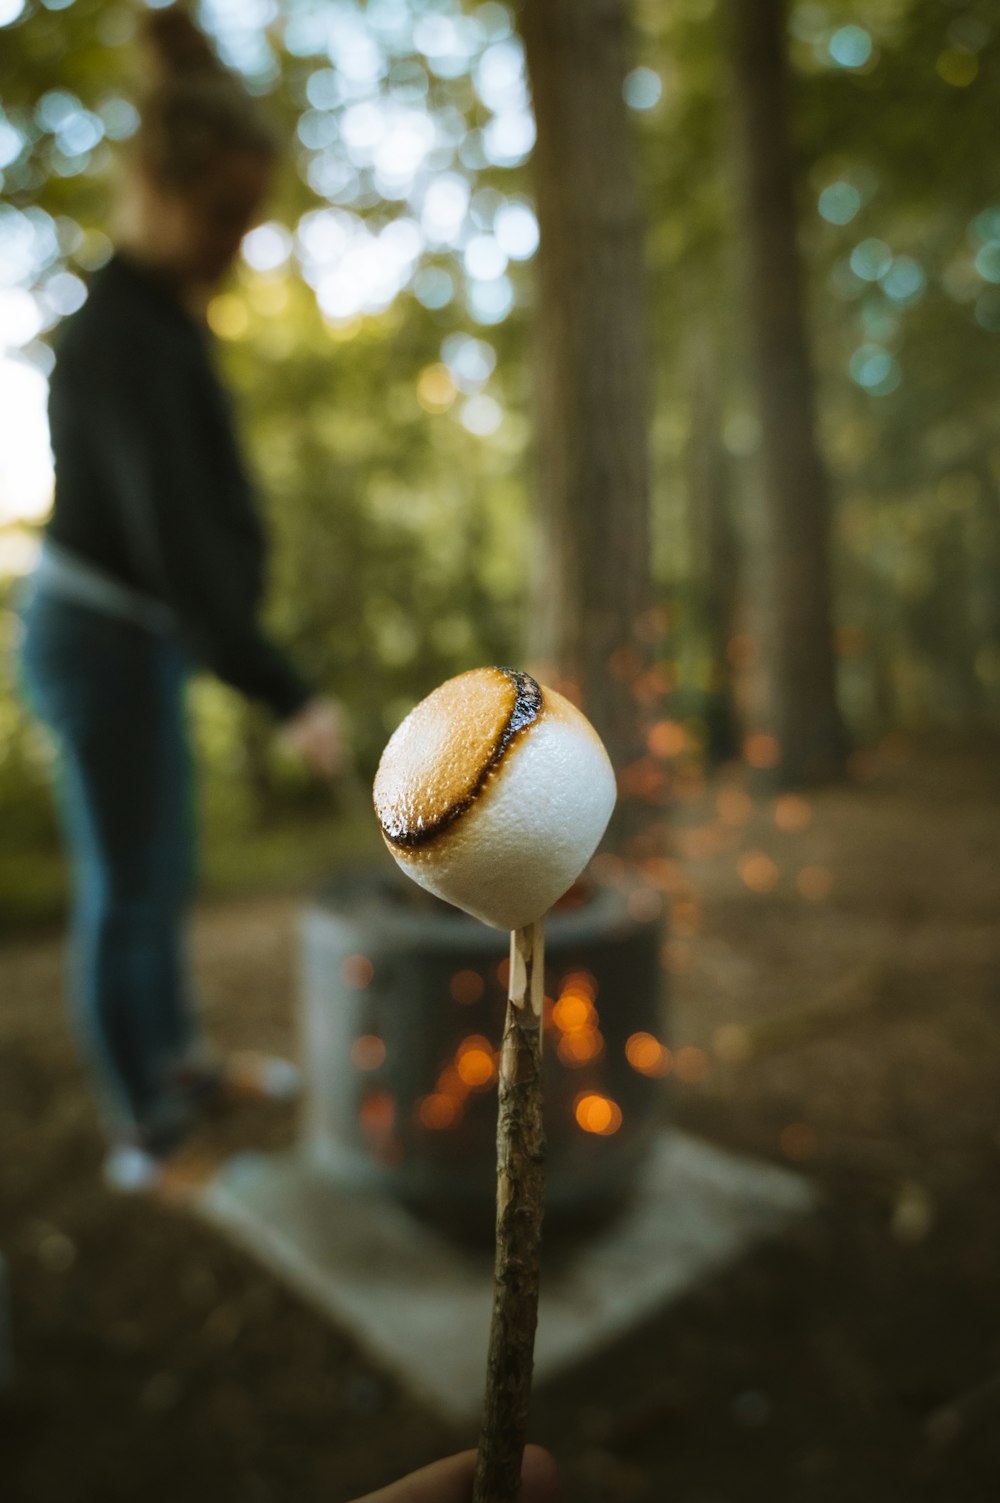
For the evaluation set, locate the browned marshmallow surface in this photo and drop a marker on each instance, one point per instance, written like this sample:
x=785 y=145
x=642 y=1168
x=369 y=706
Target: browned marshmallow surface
x=439 y=760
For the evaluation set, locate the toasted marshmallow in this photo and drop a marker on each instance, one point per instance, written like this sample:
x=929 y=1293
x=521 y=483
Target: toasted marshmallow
x=493 y=794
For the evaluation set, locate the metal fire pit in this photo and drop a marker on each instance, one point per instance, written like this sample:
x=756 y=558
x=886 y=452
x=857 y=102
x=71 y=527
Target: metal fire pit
x=403 y=1012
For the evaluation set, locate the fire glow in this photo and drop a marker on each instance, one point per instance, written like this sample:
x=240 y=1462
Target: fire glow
x=598 y=1114
x=647 y=1055
x=472 y=1067
x=368 y=1052
x=575 y=1017
x=466 y=987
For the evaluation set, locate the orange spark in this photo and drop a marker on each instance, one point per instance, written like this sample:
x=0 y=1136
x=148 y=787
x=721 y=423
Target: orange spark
x=647 y=1055
x=437 y=1111
x=367 y=1052
x=466 y=987
x=690 y=1064
x=667 y=739
x=357 y=971
x=758 y=871
x=598 y=1114
x=792 y=813
x=762 y=750
x=581 y=1047
x=474 y=1061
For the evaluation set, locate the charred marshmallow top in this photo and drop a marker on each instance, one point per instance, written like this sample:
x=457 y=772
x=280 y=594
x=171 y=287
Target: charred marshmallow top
x=493 y=794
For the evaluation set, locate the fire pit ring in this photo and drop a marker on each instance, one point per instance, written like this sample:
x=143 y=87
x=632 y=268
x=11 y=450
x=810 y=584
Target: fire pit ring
x=403 y=1004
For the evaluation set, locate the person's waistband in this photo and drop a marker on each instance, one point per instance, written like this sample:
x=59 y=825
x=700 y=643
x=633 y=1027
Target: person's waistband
x=65 y=574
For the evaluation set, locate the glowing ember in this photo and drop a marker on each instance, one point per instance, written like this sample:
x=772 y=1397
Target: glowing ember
x=792 y=813
x=377 y=1114
x=367 y=1052
x=762 y=750
x=667 y=739
x=662 y=872
x=466 y=987
x=474 y=1061
x=357 y=971
x=758 y=871
x=647 y=1055
x=650 y=686
x=690 y=1064
x=580 y=1047
x=572 y=1012
x=438 y=1111
x=580 y=982
x=598 y=1114
x=450 y=1083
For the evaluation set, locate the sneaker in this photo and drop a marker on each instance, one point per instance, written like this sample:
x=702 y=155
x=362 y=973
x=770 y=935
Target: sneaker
x=260 y=1077
x=176 y=1177
x=238 y=1080
x=130 y=1170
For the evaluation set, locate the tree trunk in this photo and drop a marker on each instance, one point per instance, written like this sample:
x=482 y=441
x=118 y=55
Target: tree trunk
x=594 y=621
x=792 y=571
x=715 y=553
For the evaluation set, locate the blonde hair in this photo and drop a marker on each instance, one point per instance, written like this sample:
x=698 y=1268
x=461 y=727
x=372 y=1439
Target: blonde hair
x=195 y=110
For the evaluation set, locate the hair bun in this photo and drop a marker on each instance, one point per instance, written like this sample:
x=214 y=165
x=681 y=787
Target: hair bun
x=177 y=47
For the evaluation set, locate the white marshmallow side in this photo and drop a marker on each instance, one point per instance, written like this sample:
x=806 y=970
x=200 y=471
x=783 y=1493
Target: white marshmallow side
x=531 y=831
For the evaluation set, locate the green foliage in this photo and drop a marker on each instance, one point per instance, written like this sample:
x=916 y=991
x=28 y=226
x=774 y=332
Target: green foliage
x=403 y=546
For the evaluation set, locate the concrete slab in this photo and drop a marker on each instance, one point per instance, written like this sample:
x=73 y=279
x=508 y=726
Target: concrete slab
x=421 y=1306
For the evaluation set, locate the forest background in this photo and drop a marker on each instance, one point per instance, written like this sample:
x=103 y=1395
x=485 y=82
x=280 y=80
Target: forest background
x=378 y=334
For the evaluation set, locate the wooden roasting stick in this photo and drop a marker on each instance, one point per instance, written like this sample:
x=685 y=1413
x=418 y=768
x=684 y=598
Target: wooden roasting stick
x=520 y=1205
x=493 y=793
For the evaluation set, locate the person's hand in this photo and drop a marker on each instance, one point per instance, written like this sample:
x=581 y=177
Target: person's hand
x=450 y=1481
x=316 y=734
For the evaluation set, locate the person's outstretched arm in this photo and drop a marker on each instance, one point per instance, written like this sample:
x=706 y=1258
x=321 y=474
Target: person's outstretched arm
x=163 y=449
x=450 y=1481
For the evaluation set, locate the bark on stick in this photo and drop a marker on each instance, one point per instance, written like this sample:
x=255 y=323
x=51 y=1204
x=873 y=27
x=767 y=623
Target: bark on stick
x=520 y=1204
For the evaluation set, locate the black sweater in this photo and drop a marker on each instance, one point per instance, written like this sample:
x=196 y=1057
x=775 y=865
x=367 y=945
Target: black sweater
x=150 y=484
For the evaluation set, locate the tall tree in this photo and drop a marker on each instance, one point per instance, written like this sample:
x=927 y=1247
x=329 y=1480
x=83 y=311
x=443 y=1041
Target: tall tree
x=791 y=543
x=592 y=369
x=715 y=549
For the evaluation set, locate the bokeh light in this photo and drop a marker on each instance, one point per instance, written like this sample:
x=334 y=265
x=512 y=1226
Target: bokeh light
x=642 y=89
x=466 y=987
x=871 y=259
x=368 y=1052
x=875 y=369
x=850 y=47
x=357 y=971
x=839 y=202
x=598 y=1114
x=905 y=281
x=647 y=1055
x=26 y=475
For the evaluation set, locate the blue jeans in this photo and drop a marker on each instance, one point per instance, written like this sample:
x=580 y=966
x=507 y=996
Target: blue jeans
x=112 y=694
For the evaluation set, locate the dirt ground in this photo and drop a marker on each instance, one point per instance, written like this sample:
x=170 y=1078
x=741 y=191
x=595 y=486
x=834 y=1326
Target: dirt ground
x=834 y=975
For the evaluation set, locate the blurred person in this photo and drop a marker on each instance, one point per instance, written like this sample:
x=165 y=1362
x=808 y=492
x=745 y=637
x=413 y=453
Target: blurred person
x=450 y=1481
x=153 y=562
